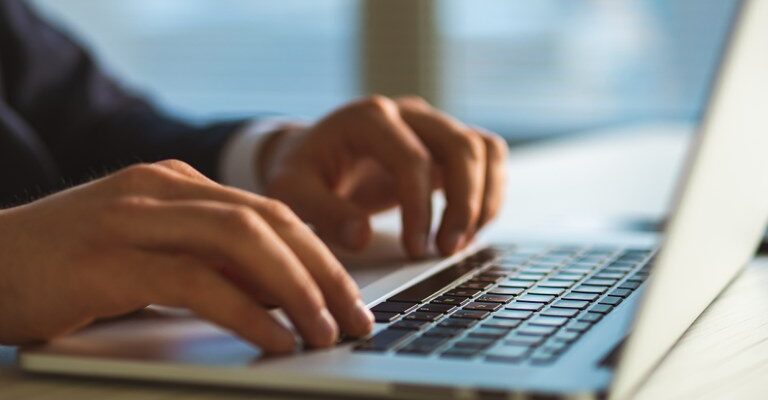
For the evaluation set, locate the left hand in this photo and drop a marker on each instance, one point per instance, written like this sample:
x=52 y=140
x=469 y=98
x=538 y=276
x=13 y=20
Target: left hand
x=376 y=153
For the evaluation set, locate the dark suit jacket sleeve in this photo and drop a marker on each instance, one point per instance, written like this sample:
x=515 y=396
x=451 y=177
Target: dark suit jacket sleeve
x=88 y=122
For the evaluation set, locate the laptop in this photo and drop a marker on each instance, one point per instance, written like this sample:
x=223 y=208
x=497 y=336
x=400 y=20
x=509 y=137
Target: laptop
x=500 y=320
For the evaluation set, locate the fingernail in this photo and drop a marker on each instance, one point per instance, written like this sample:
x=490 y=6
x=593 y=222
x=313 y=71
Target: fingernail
x=352 y=234
x=364 y=315
x=328 y=329
x=455 y=241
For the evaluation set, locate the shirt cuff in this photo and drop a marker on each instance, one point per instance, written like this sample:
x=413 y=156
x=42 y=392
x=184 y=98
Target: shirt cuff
x=240 y=155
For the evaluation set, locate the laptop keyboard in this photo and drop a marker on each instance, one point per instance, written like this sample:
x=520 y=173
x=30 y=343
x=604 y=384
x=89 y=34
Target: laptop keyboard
x=509 y=304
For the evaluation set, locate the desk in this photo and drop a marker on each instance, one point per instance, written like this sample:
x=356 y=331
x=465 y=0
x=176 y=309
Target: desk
x=559 y=186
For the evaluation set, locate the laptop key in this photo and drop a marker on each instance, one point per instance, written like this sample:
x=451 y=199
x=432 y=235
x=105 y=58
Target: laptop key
x=601 y=308
x=409 y=325
x=609 y=275
x=384 y=316
x=590 y=289
x=601 y=282
x=524 y=306
x=423 y=345
x=506 y=291
x=495 y=298
x=561 y=312
x=611 y=300
x=522 y=340
x=516 y=283
x=488 y=332
x=548 y=321
x=442 y=332
x=508 y=353
x=474 y=343
x=451 y=301
x=581 y=296
x=631 y=285
x=423 y=316
x=480 y=306
x=475 y=285
x=458 y=323
x=394 y=307
x=464 y=292
x=577 y=304
x=437 y=308
x=580 y=326
x=460 y=352
x=513 y=314
x=498 y=323
x=384 y=340
x=621 y=293
x=537 y=330
x=567 y=336
x=547 y=291
x=591 y=317
x=470 y=314
x=536 y=298
x=556 y=284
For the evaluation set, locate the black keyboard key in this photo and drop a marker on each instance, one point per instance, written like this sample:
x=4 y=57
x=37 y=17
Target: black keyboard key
x=537 y=330
x=601 y=282
x=443 y=332
x=577 y=304
x=487 y=278
x=457 y=323
x=500 y=323
x=409 y=325
x=460 y=352
x=384 y=316
x=470 y=314
x=474 y=343
x=423 y=345
x=567 y=277
x=423 y=316
x=426 y=288
x=621 y=293
x=437 y=308
x=609 y=275
x=516 y=283
x=567 y=336
x=385 y=340
x=506 y=291
x=611 y=300
x=536 y=298
x=451 y=301
x=488 y=332
x=513 y=314
x=523 y=340
x=556 y=284
x=581 y=296
x=530 y=277
x=472 y=285
x=590 y=317
x=581 y=326
x=601 y=308
x=556 y=347
x=394 y=307
x=548 y=321
x=464 y=292
x=631 y=285
x=482 y=306
x=547 y=291
x=524 y=306
x=495 y=298
x=508 y=353
x=561 y=312
x=590 y=289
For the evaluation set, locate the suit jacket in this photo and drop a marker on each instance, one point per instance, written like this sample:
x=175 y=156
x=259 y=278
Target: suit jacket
x=64 y=121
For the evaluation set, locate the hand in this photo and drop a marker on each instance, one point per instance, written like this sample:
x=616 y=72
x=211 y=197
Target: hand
x=164 y=234
x=376 y=153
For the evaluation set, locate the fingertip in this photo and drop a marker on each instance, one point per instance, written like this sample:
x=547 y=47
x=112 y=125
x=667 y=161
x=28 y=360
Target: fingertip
x=451 y=242
x=326 y=332
x=416 y=245
x=355 y=233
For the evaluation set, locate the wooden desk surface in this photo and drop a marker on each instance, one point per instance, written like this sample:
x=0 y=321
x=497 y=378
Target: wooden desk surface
x=724 y=355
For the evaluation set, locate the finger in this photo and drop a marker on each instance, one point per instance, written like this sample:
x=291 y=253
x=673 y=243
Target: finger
x=243 y=239
x=180 y=281
x=375 y=128
x=461 y=153
x=338 y=288
x=495 y=176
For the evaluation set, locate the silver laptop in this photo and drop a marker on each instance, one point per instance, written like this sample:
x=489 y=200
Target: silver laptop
x=554 y=319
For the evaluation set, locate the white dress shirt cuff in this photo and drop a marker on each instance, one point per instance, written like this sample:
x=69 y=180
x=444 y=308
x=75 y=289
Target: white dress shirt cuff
x=239 y=157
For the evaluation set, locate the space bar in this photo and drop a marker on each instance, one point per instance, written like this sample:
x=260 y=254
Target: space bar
x=429 y=286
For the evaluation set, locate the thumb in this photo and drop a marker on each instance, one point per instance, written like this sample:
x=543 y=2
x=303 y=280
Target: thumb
x=335 y=219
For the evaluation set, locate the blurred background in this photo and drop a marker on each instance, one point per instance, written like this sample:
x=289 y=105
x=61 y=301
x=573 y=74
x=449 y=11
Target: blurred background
x=526 y=69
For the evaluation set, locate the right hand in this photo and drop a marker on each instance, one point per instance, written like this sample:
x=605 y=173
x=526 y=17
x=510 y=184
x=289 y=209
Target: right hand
x=164 y=234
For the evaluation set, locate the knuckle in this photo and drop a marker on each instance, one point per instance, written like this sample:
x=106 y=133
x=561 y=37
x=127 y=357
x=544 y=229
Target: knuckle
x=278 y=212
x=138 y=176
x=176 y=165
x=241 y=220
x=375 y=105
x=414 y=101
x=498 y=146
x=418 y=159
x=469 y=146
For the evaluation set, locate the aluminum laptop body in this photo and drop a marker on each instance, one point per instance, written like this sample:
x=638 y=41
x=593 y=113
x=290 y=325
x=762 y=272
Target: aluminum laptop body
x=720 y=211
